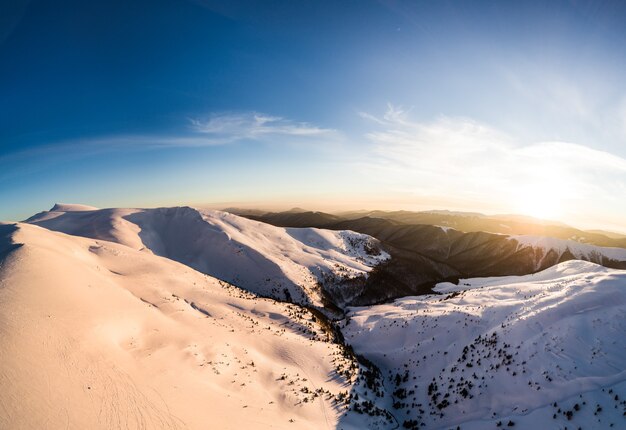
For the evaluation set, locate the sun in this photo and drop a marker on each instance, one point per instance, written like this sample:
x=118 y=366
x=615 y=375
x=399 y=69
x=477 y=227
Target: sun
x=538 y=202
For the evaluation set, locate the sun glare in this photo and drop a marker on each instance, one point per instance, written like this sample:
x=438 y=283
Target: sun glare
x=538 y=203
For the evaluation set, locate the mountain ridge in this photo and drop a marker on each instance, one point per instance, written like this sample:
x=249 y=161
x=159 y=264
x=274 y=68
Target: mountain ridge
x=298 y=265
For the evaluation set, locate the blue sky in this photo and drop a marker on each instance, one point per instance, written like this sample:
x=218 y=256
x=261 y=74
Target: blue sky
x=484 y=106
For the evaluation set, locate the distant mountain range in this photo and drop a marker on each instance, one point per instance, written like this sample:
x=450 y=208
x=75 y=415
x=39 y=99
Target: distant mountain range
x=462 y=221
x=431 y=247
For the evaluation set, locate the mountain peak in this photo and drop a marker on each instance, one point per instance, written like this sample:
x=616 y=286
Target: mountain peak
x=70 y=207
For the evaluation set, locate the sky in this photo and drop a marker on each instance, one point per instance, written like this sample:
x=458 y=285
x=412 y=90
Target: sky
x=485 y=106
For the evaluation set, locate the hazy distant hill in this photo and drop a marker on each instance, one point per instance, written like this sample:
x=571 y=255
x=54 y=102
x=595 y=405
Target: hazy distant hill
x=294 y=218
x=611 y=234
x=504 y=224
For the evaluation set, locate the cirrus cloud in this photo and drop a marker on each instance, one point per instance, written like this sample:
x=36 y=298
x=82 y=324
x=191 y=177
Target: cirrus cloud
x=255 y=126
x=218 y=130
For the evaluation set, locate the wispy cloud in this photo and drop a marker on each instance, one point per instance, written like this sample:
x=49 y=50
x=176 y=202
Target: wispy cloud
x=219 y=129
x=255 y=126
x=395 y=115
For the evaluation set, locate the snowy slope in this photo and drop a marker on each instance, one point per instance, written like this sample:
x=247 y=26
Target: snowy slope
x=97 y=335
x=542 y=351
x=566 y=269
x=553 y=249
x=272 y=261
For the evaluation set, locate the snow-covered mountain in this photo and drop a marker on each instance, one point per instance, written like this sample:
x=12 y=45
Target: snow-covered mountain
x=122 y=318
x=547 y=251
x=546 y=350
x=98 y=335
x=424 y=254
x=285 y=263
